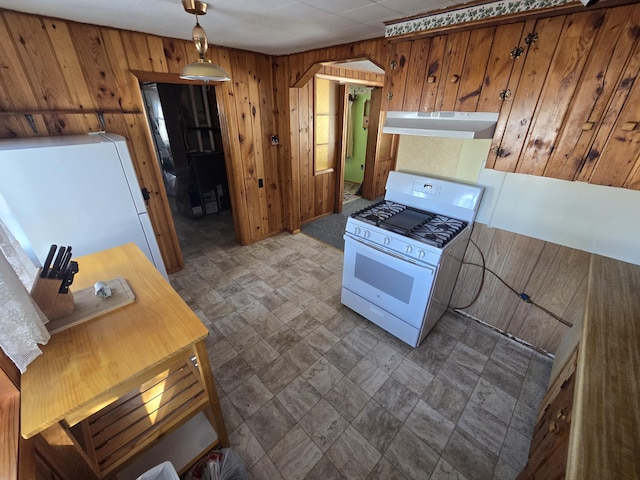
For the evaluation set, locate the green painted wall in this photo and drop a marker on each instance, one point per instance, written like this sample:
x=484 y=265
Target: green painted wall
x=353 y=172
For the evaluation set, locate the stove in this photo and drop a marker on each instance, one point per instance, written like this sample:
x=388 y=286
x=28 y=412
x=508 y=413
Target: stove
x=427 y=227
x=403 y=254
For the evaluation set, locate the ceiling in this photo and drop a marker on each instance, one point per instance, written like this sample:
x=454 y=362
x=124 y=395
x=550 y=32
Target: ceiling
x=274 y=27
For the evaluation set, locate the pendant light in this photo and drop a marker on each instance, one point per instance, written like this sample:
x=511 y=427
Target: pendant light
x=202 y=69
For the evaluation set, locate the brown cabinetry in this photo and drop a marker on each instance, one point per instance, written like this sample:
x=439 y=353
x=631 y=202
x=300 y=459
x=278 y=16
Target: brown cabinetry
x=566 y=87
x=550 y=443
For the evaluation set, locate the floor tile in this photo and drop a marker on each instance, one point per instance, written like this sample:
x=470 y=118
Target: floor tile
x=246 y=445
x=428 y=358
x=468 y=357
x=504 y=471
x=396 y=398
x=322 y=339
x=343 y=357
x=469 y=456
x=283 y=339
x=515 y=450
x=304 y=324
x=301 y=355
x=385 y=357
x=412 y=376
x=461 y=377
x=361 y=340
x=250 y=396
x=385 y=471
x=411 y=456
x=367 y=376
x=264 y=469
x=347 y=398
x=324 y=470
x=323 y=424
x=510 y=354
x=295 y=455
x=452 y=325
x=445 y=399
x=444 y=471
x=298 y=397
x=430 y=425
x=494 y=400
x=483 y=427
x=480 y=338
x=524 y=419
x=270 y=423
x=353 y=455
x=278 y=375
x=377 y=425
x=260 y=355
x=503 y=377
x=322 y=375
x=231 y=374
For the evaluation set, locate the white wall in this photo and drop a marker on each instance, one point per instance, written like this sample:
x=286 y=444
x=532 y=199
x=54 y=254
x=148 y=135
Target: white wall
x=592 y=218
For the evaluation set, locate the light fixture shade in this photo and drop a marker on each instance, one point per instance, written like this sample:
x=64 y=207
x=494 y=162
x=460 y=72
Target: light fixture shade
x=205 y=71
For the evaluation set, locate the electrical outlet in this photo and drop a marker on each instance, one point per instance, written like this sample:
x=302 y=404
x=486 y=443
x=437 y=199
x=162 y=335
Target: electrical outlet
x=260 y=183
x=361 y=167
x=275 y=140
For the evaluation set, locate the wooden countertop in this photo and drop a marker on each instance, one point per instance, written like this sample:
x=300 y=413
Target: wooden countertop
x=604 y=441
x=88 y=366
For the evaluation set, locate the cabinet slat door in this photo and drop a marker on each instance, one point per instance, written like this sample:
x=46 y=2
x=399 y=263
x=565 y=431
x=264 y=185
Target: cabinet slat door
x=571 y=53
x=433 y=74
x=454 y=59
x=611 y=52
x=416 y=75
x=511 y=136
x=499 y=67
x=396 y=75
x=474 y=69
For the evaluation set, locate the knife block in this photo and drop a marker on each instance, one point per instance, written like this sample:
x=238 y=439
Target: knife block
x=54 y=305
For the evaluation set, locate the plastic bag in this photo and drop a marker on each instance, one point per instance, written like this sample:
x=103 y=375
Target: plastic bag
x=164 y=471
x=224 y=464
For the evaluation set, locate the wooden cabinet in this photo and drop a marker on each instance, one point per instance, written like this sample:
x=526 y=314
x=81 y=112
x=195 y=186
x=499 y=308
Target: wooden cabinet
x=550 y=443
x=566 y=88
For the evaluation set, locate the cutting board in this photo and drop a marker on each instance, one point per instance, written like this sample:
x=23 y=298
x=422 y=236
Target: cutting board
x=89 y=306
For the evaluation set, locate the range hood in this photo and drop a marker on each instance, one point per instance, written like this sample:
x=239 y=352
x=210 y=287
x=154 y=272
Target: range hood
x=442 y=124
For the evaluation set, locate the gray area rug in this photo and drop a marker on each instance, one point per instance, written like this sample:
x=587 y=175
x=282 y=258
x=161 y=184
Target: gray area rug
x=330 y=229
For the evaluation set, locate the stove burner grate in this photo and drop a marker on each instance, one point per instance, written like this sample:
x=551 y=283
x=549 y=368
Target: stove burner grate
x=378 y=212
x=438 y=231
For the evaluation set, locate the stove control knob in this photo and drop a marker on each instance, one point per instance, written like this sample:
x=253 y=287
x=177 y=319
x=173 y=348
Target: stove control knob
x=421 y=254
x=386 y=241
x=409 y=249
x=366 y=234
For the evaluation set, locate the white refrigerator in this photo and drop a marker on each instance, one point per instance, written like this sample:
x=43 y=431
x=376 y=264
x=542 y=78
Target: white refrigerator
x=79 y=191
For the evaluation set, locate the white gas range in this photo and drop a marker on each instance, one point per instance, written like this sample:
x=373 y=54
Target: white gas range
x=402 y=255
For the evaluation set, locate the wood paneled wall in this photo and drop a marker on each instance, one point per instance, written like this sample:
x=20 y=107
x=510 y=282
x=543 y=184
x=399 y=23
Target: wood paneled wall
x=307 y=196
x=553 y=276
x=57 y=74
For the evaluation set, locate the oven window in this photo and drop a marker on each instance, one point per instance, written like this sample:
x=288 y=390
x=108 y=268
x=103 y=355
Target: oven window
x=384 y=278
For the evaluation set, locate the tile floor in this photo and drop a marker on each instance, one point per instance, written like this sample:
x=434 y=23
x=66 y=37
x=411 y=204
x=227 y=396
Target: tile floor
x=311 y=390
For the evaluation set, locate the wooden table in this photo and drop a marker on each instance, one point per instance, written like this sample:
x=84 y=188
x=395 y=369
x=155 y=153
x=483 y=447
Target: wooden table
x=126 y=378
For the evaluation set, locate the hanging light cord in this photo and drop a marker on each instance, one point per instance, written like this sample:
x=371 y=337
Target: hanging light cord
x=523 y=296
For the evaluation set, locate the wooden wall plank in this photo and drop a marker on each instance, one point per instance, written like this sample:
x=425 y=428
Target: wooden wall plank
x=433 y=75
x=527 y=92
x=38 y=60
x=570 y=56
x=137 y=48
x=416 y=74
x=174 y=54
x=455 y=55
x=395 y=79
x=609 y=55
x=499 y=66
x=472 y=75
x=62 y=43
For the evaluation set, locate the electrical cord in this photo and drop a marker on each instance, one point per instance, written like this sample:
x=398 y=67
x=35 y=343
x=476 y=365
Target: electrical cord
x=523 y=296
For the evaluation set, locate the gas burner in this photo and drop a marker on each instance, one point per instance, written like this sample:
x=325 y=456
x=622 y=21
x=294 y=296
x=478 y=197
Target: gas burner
x=438 y=231
x=378 y=212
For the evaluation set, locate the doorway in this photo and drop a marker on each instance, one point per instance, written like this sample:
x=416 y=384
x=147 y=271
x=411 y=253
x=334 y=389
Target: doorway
x=185 y=128
x=356 y=126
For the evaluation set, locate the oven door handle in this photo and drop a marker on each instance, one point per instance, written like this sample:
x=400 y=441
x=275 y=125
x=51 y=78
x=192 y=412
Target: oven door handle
x=399 y=256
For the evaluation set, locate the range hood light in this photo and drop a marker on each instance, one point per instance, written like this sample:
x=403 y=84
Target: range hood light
x=472 y=125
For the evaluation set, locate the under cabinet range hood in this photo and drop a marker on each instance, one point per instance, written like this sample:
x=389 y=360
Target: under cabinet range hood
x=477 y=125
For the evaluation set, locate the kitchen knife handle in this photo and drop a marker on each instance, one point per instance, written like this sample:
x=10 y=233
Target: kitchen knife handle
x=56 y=264
x=47 y=262
x=65 y=263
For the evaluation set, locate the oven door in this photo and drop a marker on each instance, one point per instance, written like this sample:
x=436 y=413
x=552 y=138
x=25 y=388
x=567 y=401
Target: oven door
x=388 y=281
